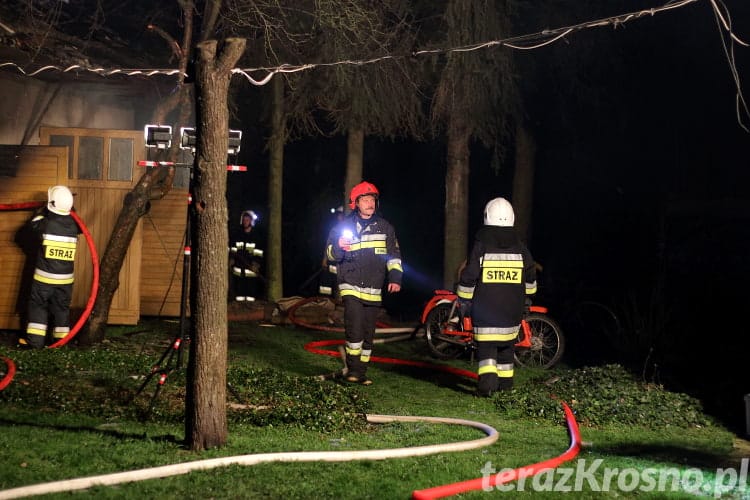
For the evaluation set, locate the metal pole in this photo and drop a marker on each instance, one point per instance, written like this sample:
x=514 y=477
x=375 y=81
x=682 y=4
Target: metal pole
x=185 y=276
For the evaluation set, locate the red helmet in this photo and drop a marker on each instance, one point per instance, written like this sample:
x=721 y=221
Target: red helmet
x=362 y=189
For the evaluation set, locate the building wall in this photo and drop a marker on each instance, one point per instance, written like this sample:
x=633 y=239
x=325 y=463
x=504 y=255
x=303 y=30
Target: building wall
x=28 y=103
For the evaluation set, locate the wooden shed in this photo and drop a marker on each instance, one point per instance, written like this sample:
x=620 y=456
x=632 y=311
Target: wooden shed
x=100 y=167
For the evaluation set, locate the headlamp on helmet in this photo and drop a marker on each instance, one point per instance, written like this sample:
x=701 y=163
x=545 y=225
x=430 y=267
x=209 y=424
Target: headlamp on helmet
x=253 y=217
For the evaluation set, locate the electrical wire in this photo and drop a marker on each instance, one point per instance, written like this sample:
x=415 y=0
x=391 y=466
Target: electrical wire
x=548 y=35
x=725 y=22
x=529 y=41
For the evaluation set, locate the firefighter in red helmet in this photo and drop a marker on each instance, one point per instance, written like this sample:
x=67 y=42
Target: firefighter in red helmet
x=365 y=250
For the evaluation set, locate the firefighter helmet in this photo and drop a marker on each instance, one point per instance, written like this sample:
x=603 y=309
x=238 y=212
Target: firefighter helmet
x=499 y=212
x=59 y=200
x=362 y=189
x=253 y=217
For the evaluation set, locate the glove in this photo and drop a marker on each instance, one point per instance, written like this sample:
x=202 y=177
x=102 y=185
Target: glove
x=463 y=306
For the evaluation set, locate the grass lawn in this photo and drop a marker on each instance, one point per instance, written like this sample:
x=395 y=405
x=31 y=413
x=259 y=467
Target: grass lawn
x=70 y=413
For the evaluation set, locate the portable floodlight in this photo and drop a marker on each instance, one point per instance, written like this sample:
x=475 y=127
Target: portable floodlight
x=158 y=136
x=188 y=138
x=235 y=140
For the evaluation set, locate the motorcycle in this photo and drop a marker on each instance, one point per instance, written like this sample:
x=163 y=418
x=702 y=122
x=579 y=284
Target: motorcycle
x=449 y=332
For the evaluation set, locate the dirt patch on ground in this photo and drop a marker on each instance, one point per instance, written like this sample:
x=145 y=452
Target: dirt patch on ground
x=740 y=450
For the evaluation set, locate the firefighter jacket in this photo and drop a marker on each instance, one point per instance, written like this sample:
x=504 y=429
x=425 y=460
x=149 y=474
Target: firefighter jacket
x=56 y=257
x=244 y=254
x=374 y=252
x=498 y=275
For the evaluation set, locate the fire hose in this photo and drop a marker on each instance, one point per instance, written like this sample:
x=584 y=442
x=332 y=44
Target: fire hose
x=336 y=456
x=460 y=487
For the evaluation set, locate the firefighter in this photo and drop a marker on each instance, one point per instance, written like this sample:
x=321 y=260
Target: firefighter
x=364 y=248
x=52 y=286
x=498 y=276
x=244 y=259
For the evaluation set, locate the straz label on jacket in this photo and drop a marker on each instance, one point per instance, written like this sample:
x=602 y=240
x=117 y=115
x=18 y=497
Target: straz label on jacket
x=501 y=275
x=59 y=253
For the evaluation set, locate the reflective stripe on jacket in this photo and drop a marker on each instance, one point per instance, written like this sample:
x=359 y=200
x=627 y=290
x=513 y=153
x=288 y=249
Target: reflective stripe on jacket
x=56 y=257
x=499 y=273
x=373 y=254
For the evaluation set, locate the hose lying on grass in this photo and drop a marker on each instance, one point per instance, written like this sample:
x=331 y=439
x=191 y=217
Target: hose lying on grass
x=333 y=456
x=301 y=456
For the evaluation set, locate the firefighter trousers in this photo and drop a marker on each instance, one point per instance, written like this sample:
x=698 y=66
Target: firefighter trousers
x=495 y=360
x=359 y=322
x=48 y=301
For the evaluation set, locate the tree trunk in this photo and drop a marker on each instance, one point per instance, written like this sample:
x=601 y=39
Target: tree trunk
x=523 y=181
x=154 y=184
x=275 y=271
x=355 y=145
x=456 y=200
x=205 y=412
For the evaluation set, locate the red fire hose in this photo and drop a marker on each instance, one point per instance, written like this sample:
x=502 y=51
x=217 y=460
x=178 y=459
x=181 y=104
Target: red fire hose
x=507 y=476
x=472 y=484
x=10 y=372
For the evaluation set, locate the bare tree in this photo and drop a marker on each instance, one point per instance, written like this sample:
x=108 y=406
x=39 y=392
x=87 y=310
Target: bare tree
x=360 y=99
x=275 y=289
x=277 y=32
x=153 y=185
x=474 y=97
x=205 y=418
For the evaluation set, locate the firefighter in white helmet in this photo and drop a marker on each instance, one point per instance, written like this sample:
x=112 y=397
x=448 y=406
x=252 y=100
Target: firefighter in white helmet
x=52 y=286
x=498 y=276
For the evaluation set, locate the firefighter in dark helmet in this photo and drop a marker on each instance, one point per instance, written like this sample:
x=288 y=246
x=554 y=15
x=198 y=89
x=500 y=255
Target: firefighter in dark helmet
x=498 y=276
x=245 y=259
x=364 y=248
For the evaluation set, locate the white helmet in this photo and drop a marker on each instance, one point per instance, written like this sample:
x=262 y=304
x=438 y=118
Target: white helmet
x=59 y=200
x=499 y=212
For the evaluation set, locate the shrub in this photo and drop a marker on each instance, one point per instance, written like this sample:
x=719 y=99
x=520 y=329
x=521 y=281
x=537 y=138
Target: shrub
x=277 y=398
x=603 y=395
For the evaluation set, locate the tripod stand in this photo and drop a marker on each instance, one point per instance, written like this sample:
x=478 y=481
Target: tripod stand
x=175 y=348
x=167 y=363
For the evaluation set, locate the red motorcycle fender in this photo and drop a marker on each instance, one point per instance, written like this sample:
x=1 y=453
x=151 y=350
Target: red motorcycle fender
x=439 y=298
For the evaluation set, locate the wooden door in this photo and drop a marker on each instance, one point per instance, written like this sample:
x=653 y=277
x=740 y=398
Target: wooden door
x=102 y=171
